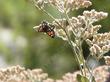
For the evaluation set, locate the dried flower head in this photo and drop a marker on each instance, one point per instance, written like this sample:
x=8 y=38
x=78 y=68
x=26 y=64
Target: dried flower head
x=100 y=73
x=40 y=3
x=63 y=5
x=20 y=74
x=60 y=26
x=100 y=44
x=107 y=60
x=67 y=5
x=82 y=27
x=93 y=16
x=60 y=23
x=61 y=34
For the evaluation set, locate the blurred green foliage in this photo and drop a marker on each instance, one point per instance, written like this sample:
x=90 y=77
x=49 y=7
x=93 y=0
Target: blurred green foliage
x=36 y=50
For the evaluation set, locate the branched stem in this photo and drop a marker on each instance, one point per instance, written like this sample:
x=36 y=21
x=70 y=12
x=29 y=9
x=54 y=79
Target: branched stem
x=79 y=48
x=74 y=47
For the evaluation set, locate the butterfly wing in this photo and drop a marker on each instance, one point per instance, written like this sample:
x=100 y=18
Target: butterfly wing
x=40 y=29
x=51 y=33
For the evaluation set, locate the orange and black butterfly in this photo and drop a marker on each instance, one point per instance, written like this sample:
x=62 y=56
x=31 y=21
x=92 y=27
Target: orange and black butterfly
x=47 y=28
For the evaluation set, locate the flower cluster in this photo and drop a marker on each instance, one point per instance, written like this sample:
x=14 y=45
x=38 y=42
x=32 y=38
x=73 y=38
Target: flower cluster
x=61 y=24
x=81 y=26
x=40 y=3
x=100 y=73
x=100 y=44
x=64 y=5
x=67 y=5
x=20 y=74
x=107 y=60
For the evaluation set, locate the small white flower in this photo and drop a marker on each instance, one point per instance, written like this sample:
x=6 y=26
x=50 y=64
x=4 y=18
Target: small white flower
x=40 y=3
x=107 y=60
x=60 y=33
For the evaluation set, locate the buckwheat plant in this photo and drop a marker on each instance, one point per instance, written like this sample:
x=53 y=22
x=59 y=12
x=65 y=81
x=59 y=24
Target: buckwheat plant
x=76 y=30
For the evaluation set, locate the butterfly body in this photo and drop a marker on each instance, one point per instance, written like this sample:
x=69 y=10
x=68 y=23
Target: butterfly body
x=47 y=28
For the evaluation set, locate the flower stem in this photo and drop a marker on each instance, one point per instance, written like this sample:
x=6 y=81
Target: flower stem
x=74 y=47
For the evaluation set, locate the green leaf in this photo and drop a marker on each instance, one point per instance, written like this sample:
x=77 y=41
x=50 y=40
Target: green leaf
x=81 y=78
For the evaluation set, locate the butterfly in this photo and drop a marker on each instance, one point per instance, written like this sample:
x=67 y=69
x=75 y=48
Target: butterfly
x=47 y=28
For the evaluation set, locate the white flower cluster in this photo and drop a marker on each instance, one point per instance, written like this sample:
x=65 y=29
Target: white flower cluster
x=67 y=5
x=20 y=74
x=64 y=5
x=62 y=24
x=100 y=73
x=107 y=60
x=83 y=25
x=100 y=44
x=80 y=26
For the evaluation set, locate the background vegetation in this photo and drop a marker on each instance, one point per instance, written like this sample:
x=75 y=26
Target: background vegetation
x=20 y=44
